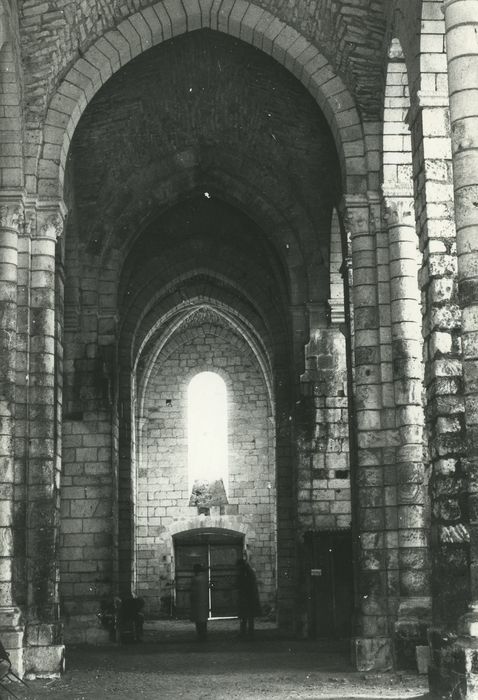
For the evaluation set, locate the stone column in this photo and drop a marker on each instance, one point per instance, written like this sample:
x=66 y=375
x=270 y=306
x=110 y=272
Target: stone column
x=445 y=424
x=45 y=651
x=414 y=601
x=461 y=22
x=11 y=632
x=372 y=638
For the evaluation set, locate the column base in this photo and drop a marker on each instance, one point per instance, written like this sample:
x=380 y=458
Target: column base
x=410 y=635
x=11 y=633
x=44 y=662
x=454 y=665
x=372 y=654
x=44 y=655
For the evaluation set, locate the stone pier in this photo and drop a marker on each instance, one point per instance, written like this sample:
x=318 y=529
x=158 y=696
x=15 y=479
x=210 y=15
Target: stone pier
x=11 y=623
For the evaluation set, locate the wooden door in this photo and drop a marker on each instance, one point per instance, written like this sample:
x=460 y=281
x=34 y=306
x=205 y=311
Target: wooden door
x=217 y=551
x=330 y=568
x=223 y=574
x=187 y=555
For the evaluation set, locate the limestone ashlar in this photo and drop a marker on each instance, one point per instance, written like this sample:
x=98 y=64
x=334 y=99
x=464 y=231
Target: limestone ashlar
x=283 y=194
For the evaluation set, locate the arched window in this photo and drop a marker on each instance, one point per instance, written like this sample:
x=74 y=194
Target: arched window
x=207 y=430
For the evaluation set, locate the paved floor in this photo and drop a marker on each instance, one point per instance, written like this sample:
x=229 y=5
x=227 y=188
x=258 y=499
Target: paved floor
x=171 y=664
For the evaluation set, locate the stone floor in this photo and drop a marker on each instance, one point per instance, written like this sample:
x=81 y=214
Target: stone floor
x=170 y=664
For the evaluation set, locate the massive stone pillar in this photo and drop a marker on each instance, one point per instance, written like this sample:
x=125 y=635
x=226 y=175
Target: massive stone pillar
x=413 y=567
x=11 y=630
x=374 y=624
x=444 y=405
x=461 y=21
x=44 y=652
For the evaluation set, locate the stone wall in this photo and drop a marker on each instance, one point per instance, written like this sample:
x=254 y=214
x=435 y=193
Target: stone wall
x=324 y=492
x=55 y=58
x=162 y=483
x=86 y=562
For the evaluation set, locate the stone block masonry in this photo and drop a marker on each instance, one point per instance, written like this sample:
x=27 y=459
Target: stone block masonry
x=86 y=564
x=324 y=472
x=200 y=148
x=162 y=479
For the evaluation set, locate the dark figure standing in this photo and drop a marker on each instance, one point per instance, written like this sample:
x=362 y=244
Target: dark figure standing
x=200 y=600
x=249 y=604
x=131 y=618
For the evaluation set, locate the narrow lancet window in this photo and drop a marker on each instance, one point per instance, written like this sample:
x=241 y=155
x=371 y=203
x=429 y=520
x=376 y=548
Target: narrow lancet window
x=207 y=440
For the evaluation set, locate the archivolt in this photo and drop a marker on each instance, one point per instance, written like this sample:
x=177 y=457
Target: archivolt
x=153 y=25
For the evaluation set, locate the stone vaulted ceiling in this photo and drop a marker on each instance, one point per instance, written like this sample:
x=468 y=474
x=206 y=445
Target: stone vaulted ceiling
x=206 y=111
x=350 y=33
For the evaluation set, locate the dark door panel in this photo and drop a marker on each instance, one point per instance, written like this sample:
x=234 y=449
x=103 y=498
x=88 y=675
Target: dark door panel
x=187 y=555
x=218 y=552
x=329 y=566
x=223 y=560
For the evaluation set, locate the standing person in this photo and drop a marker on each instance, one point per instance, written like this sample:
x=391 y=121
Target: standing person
x=200 y=600
x=249 y=603
x=131 y=618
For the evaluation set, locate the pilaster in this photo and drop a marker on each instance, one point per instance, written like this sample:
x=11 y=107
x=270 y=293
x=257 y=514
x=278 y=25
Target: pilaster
x=443 y=378
x=458 y=662
x=44 y=652
x=11 y=624
x=372 y=644
x=412 y=562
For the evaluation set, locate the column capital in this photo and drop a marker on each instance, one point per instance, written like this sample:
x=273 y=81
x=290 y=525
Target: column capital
x=354 y=209
x=45 y=219
x=361 y=213
x=398 y=207
x=11 y=211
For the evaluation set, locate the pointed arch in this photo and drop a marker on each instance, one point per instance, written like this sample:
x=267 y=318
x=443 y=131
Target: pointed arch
x=168 y=19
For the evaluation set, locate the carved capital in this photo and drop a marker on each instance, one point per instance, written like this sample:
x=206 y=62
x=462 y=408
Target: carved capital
x=361 y=213
x=356 y=220
x=11 y=215
x=46 y=220
x=398 y=209
x=49 y=225
x=29 y=222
